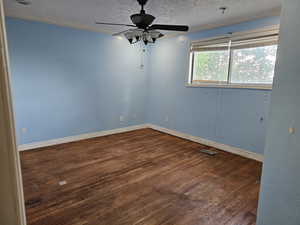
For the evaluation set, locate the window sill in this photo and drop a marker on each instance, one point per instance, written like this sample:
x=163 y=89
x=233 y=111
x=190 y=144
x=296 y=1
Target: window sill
x=232 y=86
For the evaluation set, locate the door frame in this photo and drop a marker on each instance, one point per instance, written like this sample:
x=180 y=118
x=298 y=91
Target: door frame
x=12 y=212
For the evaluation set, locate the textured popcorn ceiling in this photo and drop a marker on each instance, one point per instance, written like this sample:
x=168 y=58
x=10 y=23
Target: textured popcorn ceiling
x=198 y=14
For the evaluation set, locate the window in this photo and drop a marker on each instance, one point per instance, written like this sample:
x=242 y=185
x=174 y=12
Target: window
x=246 y=60
x=211 y=66
x=253 y=65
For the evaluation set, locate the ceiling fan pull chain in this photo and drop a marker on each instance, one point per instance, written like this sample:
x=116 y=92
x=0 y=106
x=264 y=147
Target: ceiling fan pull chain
x=143 y=50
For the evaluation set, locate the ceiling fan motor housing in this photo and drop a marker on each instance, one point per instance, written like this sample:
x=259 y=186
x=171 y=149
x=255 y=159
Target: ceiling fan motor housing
x=142 y=21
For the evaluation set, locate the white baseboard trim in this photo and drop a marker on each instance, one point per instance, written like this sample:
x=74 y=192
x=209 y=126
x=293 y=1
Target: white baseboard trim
x=227 y=148
x=64 y=140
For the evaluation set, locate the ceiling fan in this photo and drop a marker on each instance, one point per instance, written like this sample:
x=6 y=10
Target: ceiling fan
x=142 y=28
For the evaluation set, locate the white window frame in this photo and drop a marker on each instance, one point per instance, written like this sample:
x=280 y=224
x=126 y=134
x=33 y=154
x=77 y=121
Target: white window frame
x=271 y=30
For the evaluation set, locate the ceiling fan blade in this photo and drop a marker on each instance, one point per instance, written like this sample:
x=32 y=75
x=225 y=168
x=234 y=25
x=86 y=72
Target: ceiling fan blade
x=115 y=24
x=169 y=27
x=129 y=30
x=122 y=32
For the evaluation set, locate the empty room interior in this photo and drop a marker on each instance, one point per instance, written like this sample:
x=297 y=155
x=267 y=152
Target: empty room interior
x=152 y=112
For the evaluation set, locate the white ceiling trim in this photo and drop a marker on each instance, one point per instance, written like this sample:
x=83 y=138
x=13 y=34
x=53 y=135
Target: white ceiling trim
x=74 y=26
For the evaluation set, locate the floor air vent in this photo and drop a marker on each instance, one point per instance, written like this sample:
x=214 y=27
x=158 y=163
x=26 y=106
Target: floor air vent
x=24 y=2
x=208 y=152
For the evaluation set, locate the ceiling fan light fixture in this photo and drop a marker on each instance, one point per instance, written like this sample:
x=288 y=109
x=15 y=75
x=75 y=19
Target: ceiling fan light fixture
x=130 y=40
x=134 y=36
x=129 y=35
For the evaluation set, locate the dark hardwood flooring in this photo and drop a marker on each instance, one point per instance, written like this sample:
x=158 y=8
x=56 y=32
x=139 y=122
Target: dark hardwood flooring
x=142 y=177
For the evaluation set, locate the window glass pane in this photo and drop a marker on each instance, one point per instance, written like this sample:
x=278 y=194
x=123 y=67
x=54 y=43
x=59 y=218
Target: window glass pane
x=253 y=65
x=211 y=66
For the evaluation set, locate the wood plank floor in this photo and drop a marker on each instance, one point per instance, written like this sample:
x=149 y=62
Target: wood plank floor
x=142 y=177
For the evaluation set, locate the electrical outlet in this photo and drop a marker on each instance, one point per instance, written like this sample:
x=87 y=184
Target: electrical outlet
x=134 y=116
x=166 y=119
x=24 y=130
x=121 y=118
x=292 y=130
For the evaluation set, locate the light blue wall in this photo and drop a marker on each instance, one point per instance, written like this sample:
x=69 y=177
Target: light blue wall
x=68 y=82
x=280 y=190
x=229 y=116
